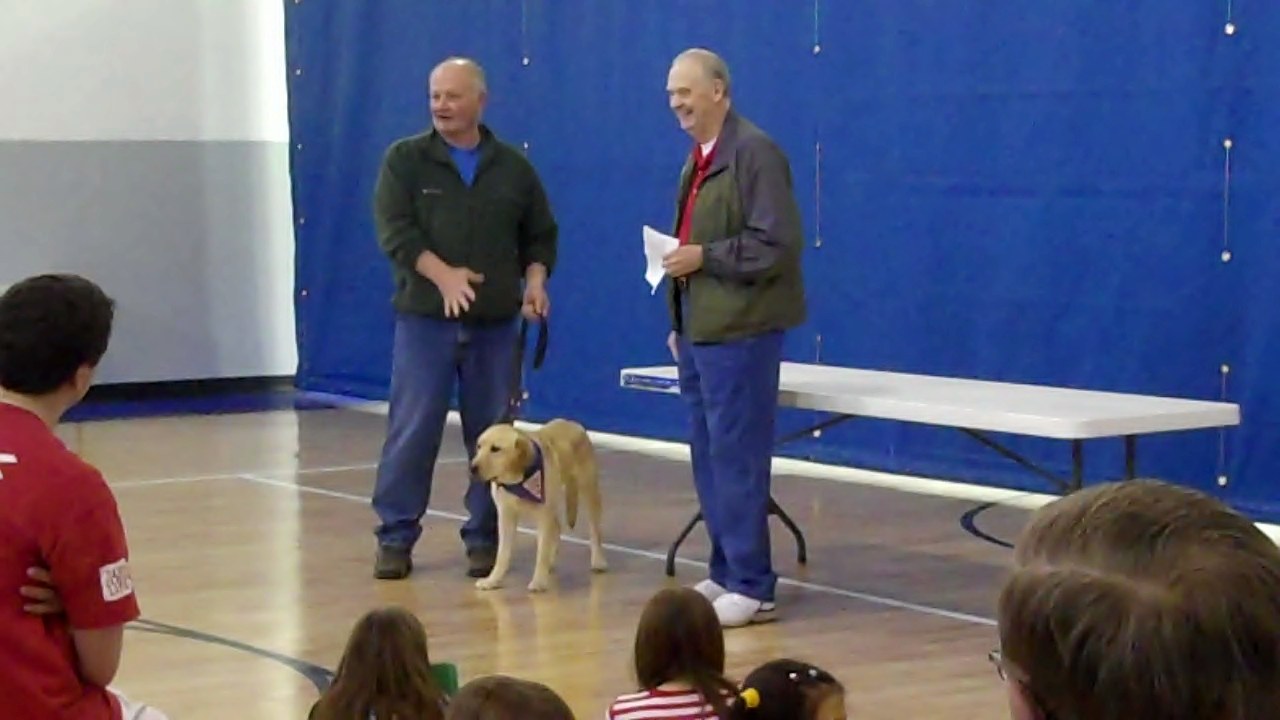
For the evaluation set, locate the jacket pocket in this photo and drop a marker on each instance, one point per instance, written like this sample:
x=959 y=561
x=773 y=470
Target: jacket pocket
x=425 y=204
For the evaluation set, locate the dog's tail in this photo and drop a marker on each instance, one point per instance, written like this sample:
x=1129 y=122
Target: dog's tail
x=571 y=497
x=586 y=463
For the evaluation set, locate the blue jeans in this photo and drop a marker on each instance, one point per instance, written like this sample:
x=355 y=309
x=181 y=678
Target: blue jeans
x=731 y=390
x=428 y=355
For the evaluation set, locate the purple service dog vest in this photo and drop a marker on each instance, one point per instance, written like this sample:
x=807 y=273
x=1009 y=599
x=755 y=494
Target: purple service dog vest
x=532 y=488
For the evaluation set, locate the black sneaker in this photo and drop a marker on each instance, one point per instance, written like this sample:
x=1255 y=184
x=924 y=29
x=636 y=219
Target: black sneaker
x=393 y=563
x=480 y=561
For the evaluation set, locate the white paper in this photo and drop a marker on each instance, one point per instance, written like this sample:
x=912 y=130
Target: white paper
x=656 y=246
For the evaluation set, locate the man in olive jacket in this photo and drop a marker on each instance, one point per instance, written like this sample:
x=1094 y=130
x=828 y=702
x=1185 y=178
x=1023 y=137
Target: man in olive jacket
x=467 y=227
x=736 y=289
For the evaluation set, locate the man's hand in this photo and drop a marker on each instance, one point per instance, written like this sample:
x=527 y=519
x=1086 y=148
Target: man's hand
x=42 y=595
x=455 y=287
x=454 y=283
x=671 y=345
x=682 y=261
x=536 y=302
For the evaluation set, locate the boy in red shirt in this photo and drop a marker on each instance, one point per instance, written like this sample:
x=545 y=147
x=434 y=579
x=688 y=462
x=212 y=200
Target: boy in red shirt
x=58 y=520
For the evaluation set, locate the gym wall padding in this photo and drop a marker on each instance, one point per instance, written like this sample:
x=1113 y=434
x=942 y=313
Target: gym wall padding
x=1029 y=192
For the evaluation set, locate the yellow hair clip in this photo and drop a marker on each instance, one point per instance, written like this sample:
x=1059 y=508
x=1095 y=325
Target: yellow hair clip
x=751 y=697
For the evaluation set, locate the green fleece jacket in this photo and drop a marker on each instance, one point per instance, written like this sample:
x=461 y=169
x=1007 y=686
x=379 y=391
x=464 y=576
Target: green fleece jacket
x=497 y=227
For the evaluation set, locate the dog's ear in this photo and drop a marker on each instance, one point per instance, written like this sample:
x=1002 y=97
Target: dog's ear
x=523 y=451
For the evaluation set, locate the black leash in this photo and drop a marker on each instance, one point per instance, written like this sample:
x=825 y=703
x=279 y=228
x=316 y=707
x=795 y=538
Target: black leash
x=517 y=395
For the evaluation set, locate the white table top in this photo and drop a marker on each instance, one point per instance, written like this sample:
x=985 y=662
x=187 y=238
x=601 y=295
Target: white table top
x=1036 y=410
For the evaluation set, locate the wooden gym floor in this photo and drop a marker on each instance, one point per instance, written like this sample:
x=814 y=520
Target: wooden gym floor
x=252 y=553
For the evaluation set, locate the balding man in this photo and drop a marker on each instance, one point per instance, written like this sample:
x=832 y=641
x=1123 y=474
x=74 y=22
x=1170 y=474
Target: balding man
x=736 y=289
x=471 y=240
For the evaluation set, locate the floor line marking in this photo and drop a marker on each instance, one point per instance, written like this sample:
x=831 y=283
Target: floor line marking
x=626 y=550
x=235 y=474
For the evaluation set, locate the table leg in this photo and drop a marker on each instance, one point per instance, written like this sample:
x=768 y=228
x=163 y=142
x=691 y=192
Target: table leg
x=802 y=552
x=1130 y=457
x=675 y=546
x=1077 y=464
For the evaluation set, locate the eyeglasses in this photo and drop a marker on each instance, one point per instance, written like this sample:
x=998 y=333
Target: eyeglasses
x=997 y=659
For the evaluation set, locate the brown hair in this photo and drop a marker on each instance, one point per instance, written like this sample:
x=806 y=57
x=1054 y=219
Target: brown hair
x=1144 y=600
x=384 y=673
x=784 y=689
x=679 y=638
x=500 y=697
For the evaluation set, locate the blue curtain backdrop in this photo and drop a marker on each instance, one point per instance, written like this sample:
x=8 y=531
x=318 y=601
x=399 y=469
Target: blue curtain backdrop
x=1032 y=192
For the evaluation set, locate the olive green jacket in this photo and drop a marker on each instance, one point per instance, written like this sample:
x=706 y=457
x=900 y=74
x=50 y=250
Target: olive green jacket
x=748 y=223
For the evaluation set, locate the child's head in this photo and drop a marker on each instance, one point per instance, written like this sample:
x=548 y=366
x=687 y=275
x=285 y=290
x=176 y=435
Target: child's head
x=500 y=697
x=1141 y=599
x=54 y=330
x=385 y=671
x=679 y=639
x=789 y=690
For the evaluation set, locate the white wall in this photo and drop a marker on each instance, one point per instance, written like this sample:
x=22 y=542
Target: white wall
x=144 y=143
x=143 y=70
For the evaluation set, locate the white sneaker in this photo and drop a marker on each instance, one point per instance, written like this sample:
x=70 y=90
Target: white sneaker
x=735 y=610
x=710 y=589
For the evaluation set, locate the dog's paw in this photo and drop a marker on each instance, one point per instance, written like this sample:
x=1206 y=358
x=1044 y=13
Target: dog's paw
x=488 y=584
x=538 y=585
x=600 y=567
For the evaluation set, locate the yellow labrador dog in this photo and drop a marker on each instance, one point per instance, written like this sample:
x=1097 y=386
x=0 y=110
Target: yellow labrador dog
x=536 y=473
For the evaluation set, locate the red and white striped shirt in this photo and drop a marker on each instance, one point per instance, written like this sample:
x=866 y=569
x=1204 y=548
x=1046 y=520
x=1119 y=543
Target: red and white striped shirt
x=661 y=705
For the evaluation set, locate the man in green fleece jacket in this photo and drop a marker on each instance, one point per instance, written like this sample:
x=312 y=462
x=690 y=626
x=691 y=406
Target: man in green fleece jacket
x=471 y=240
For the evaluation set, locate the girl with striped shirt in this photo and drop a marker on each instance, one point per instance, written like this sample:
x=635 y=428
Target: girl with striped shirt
x=679 y=662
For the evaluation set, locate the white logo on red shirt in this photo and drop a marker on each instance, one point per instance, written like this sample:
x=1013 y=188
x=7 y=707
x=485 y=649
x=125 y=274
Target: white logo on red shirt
x=7 y=459
x=117 y=581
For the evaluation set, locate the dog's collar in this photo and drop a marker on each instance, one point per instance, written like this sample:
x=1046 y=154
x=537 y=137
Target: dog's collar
x=532 y=488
